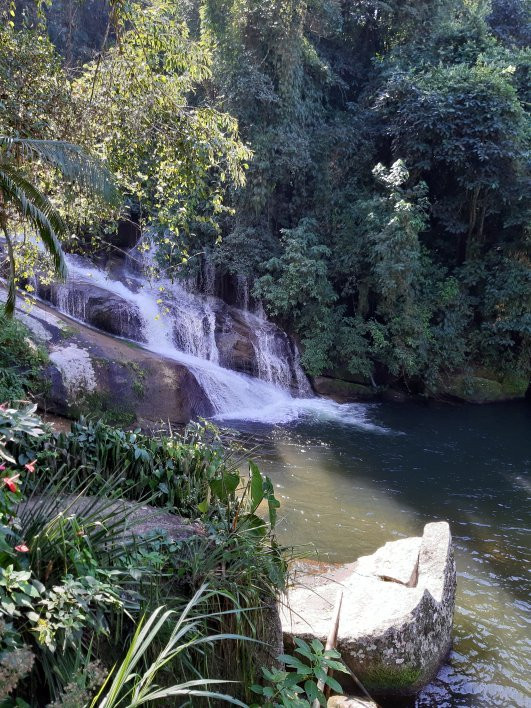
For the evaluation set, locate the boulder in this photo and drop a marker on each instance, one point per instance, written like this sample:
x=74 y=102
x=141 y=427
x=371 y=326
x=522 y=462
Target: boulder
x=234 y=339
x=97 y=307
x=396 y=616
x=252 y=345
x=484 y=388
x=342 y=391
x=138 y=520
x=350 y=702
x=94 y=374
x=114 y=315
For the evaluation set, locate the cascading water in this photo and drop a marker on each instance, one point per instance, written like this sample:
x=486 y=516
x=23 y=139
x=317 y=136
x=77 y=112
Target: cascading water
x=181 y=325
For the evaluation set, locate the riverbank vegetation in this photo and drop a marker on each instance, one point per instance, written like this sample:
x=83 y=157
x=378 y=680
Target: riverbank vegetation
x=360 y=165
x=101 y=528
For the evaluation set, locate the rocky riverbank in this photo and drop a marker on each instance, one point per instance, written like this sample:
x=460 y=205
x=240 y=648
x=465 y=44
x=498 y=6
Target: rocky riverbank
x=476 y=386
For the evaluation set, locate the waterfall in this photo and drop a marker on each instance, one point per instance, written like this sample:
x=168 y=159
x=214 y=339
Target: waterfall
x=170 y=320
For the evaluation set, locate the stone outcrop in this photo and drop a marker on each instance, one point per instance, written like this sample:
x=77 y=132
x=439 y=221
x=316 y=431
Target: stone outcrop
x=204 y=326
x=234 y=341
x=342 y=391
x=97 y=307
x=484 y=387
x=137 y=519
x=396 y=616
x=92 y=373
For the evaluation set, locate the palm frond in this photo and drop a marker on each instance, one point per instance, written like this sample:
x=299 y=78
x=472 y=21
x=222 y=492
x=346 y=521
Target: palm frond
x=74 y=163
x=36 y=207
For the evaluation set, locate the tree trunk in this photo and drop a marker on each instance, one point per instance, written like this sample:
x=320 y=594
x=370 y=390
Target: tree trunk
x=9 y=307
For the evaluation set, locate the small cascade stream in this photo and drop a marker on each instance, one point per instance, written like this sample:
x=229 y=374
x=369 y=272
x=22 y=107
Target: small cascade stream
x=171 y=320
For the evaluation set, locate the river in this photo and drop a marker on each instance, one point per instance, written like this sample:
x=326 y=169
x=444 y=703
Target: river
x=345 y=490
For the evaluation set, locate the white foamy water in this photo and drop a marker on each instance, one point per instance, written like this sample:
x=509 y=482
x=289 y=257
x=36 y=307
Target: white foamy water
x=180 y=325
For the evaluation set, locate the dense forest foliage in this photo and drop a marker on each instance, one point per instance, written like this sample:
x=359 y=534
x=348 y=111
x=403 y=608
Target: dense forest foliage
x=362 y=164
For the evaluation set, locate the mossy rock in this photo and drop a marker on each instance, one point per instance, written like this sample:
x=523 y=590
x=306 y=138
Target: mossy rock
x=342 y=391
x=515 y=386
x=477 y=389
x=386 y=680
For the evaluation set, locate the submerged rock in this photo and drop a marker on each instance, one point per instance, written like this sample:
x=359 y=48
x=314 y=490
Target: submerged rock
x=396 y=616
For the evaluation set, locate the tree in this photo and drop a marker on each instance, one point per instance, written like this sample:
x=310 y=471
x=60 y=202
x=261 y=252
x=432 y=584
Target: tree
x=462 y=129
x=22 y=198
x=174 y=155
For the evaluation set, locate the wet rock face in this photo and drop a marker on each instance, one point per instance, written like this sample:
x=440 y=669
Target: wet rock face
x=396 y=616
x=107 y=312
x=114 y=315
x=234 y=341
x=97 y=375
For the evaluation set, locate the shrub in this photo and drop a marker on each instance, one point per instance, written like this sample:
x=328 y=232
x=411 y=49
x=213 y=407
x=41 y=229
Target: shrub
x=21 y=363
x=75 y=580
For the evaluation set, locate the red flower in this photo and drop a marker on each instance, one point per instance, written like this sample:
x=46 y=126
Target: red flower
x=10 y=482
x=2 y=468
x=22 y=548
x=31 y=466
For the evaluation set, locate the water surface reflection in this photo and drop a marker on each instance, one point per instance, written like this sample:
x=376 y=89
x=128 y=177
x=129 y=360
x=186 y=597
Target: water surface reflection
x=347 y=490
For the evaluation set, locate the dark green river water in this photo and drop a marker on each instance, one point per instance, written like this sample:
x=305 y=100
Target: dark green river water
x=345 y=490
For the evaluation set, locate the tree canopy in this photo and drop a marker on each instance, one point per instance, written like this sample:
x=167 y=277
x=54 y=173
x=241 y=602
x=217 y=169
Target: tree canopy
x=363 y=165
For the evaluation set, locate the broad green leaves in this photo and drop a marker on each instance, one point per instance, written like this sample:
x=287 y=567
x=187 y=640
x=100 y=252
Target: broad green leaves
x=298 y=686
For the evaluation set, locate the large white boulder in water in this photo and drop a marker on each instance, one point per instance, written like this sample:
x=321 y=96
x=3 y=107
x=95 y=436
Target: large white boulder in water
x=396 y=617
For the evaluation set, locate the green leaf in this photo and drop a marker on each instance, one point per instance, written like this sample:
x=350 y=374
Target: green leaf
x=257 y=491
x=320 y=674
x=332 y=654
x=311 y=690
x=252 y=524
x=225 y=487
x=203 y=506
x=317 y=646
x=304 y=649
x=294 y=663
x=336 y=665
x=334 y=685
